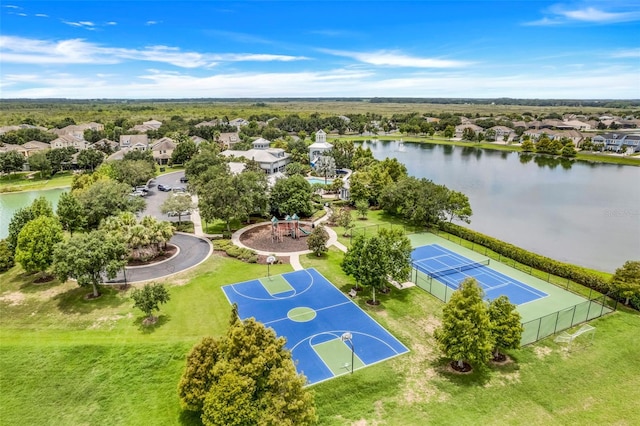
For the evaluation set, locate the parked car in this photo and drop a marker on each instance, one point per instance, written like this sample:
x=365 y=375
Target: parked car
x=172 y=214
x=142 y=188
x=164 y=188
x=184 y=179
x=138 y=194
x=178 y=189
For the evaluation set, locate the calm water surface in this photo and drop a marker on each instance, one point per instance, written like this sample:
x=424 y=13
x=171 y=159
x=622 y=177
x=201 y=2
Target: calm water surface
x=12 y=201
x=577 y=212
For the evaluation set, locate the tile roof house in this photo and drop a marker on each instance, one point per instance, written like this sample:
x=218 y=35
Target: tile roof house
x=5 y=129
x=67 y=140
x=503 y=133
x=460 y=129
x=211 y=123
x=271 y=160
x=77 y=130
x=147 y=125
x=139 y=142
x=238 y=122
x=617 y=142
x=197 y=140
x=229 y=139
x=103 y=143
x=162 y=150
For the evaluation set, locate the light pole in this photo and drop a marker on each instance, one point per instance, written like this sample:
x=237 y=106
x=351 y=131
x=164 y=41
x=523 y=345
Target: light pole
x=346 y=337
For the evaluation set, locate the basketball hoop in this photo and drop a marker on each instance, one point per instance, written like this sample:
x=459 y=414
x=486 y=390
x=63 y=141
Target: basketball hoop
x=270 y=261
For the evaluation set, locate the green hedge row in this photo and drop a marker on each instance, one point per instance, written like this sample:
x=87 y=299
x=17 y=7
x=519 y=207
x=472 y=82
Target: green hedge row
x=232 y=250
x=565 y=270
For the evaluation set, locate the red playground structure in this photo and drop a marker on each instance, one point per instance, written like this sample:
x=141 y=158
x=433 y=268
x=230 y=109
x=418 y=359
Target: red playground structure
x=289 y=227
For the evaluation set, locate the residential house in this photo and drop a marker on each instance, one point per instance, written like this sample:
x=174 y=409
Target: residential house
x=618 y=142
x=32 y=147
x=139 y=142
x=229 y=139
x=6 y=129
x=320 y=147
x=67 y=140
x=103 y=144
x=77 y=130
x=147 y=125
x=271 y=160
x=577 y=125
x=461 y=128
x=211 y=123
x=503 y=133
x=163 y=149
x=575 y=136
x=197 y=140
x=238 y=122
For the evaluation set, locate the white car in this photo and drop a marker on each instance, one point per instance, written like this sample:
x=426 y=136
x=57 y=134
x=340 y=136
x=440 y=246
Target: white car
x=175 y=214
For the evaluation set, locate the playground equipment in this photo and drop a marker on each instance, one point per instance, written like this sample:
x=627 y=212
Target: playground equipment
x=289 y=227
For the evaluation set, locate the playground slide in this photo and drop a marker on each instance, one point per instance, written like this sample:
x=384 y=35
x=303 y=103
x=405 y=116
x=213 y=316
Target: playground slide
x=305 y=232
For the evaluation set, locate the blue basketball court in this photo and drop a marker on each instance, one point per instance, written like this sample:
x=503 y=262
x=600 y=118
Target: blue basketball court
x=451 y=269
x=320 y=323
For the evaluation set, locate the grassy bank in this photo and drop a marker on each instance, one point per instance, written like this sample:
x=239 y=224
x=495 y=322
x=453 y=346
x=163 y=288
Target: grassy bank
x=29 y=181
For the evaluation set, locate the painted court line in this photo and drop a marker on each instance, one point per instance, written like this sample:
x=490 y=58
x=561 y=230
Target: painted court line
x=317 y=310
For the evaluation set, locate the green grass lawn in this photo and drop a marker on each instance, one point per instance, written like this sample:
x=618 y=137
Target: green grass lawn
x=19 y=181
x=67 y=361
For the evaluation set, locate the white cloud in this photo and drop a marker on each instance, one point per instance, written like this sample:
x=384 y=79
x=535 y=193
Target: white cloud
x=87 y=25
x=395 y=59
x=591 y=15
x=617 y=83
x=11 y=6
x=628 y=53
x=78 y=51
x=41 y=15
x=152 y=22
x=111 y=23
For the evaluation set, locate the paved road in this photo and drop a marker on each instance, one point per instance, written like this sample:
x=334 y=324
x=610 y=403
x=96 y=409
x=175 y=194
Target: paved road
x=155 y=198
x=193 y=250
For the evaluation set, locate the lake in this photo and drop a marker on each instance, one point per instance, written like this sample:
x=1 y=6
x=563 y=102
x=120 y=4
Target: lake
x=573 y=211
x=12 y=201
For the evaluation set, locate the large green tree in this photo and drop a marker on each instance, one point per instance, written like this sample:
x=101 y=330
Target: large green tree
x=419 y=201
x=134 y=172
x=226 y=196
x=11 y=161
x=106 y=197
x=70 y=213
x=7 y=260
x=36 y=242
x=465 y=334
x=506 y=326
x=373 y=260
x=458 y=207
x=626 y=280
x=90 y=158
x=184 y=150
x=290 y=196
x=39 y=161
x=88 y=257
x=39 y=207
x=246 y=377
x=60 y=157
x=317 y=240
x=178 y=205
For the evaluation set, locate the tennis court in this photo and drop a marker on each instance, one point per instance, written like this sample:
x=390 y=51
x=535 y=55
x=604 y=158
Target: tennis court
x=451 y=269
x=320 y=323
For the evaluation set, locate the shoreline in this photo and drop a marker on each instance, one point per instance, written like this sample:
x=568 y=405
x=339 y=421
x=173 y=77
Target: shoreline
x=590 y=156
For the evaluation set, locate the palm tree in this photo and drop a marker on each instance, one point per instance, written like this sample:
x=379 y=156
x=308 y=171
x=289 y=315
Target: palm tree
x=325 y=166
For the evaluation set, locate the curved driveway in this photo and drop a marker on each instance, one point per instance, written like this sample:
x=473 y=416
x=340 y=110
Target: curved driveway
x=193 y=250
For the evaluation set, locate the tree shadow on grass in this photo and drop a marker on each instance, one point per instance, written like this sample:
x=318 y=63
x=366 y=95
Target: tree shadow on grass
x=479 y=376
x=189 y=418
x=31 y=287
x=74 y=301
x=151 y=328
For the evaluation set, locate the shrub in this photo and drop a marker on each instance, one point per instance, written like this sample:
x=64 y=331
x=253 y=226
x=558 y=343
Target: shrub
x=6 y=256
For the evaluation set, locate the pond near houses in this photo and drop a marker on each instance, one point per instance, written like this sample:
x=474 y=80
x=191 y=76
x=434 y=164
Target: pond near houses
x=12 y=201
x=573 y=211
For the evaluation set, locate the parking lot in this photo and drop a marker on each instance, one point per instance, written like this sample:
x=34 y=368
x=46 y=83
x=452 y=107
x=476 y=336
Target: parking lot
x=155 y=197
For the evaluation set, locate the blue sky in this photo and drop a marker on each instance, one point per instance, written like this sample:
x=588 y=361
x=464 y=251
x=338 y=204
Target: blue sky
x=171 y=49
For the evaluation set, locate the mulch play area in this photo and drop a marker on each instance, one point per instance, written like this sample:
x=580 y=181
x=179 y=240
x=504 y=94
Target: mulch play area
x=259 y=238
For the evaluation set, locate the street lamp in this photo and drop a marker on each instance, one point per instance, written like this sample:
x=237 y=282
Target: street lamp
x=346 y=337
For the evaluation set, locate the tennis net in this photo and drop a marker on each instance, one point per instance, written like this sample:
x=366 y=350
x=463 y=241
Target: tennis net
x=452 y=269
